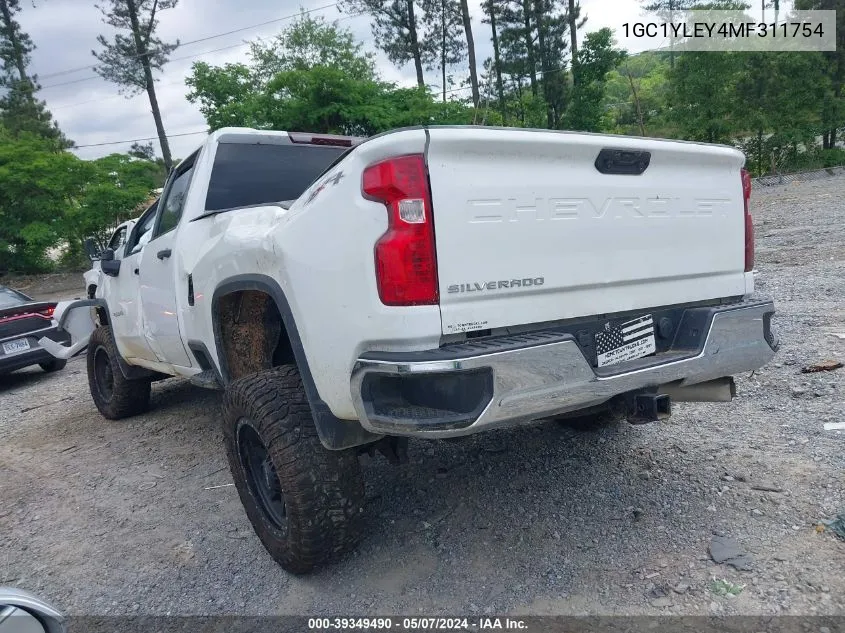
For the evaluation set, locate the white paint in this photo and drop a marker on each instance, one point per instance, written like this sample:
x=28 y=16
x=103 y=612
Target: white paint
x=511 y=204
x=321 y=252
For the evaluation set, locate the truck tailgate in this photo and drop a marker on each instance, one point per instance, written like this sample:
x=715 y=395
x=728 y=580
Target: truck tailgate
x=528 y=229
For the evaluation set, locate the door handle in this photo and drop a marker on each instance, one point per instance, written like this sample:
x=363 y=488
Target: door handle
x=164 y=254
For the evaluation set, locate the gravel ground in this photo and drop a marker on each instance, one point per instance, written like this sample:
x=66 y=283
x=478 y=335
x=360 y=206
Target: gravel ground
x=139 y=516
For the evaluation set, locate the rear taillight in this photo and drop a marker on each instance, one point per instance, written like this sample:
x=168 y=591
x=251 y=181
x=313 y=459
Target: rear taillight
x=749 y=223
x=47 y=312
x=406 y=264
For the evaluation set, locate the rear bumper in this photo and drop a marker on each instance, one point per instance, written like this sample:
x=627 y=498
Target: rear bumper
x=504 y=381
x=35 y=354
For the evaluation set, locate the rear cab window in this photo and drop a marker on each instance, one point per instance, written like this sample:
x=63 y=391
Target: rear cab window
x=250 y=174
x=10 y=298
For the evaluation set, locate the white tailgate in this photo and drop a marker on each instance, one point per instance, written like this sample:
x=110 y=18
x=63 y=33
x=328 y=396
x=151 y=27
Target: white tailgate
x=518 y=204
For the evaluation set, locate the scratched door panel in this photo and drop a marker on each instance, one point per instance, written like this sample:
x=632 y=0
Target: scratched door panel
x=529 y=230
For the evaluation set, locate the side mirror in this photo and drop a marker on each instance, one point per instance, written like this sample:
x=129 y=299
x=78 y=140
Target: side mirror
x=91 y=249
x=22 y=611
x=108 y=264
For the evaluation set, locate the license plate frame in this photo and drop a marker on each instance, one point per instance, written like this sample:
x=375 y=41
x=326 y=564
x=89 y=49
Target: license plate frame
x=16 y=346
x=625 y=341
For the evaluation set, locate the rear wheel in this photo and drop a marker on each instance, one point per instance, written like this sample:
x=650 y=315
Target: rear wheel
x=114 y=395
x=53 y=365
x=304 y=501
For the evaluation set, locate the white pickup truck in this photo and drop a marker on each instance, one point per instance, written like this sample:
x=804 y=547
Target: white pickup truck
x=429 y=283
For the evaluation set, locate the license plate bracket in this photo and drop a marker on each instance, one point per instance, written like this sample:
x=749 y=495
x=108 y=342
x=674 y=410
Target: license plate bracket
x=628 y=340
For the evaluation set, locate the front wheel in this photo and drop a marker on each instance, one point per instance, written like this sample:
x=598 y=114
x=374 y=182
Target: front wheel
x=114 y=395
x=304 y=501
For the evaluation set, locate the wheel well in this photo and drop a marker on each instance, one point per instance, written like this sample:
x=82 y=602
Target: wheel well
x=250 y=334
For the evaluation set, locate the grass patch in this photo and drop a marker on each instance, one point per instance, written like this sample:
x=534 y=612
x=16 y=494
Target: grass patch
x=722 y=587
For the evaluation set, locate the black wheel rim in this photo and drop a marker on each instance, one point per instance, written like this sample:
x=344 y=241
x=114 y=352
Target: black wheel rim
x=103 y=374
x=261 y=475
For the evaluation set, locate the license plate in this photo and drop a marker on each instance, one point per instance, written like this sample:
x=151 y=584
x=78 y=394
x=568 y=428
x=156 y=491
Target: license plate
x=15 y=346
x=625 y=341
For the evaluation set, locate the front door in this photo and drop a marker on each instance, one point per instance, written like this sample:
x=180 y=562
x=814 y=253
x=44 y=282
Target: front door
x=158 y=272
x=124 y=292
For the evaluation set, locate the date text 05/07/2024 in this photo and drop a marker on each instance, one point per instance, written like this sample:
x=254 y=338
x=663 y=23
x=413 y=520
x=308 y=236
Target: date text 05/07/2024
x=436 y=624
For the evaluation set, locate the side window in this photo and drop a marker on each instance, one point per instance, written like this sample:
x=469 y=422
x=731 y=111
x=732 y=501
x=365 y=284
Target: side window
x=118 y=239
x=172 y=207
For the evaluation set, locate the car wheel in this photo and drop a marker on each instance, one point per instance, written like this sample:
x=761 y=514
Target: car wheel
x=304 y=501
x=53 y=365
x=114 y=395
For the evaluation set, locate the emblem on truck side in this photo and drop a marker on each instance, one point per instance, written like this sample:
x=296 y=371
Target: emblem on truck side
x=496 y=285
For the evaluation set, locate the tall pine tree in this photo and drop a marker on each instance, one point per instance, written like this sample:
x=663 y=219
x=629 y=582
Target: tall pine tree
x=470 y=40
x=20 y=109
x=396 y=30
x=445 y=45
x=130 y=58
x=492 y=9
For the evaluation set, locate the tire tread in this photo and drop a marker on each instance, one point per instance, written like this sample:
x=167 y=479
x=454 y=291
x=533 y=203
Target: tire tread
x=129 y=396
x=323 y=489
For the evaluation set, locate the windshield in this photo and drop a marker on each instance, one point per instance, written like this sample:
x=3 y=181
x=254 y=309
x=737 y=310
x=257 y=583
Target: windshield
x=252 y=174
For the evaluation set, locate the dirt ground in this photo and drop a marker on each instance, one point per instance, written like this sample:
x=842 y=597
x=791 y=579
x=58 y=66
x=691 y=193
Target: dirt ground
x=140 y=517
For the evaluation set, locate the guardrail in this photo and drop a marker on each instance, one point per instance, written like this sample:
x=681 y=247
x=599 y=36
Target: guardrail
x=799 y=176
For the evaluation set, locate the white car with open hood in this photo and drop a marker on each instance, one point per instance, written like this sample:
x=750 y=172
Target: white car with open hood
x=428 y=282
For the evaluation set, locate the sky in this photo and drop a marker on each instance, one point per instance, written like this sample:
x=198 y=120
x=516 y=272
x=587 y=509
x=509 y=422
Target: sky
x=93 y=113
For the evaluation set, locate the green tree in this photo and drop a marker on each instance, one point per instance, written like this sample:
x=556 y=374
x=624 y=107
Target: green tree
x=37 y=186
x=833 y=107
x=703 y=96
x=551 y=26
x=311 y=41
x=116 y=186
x=667 y=8
x=597 y=57
x=780 y=103
x=20 y=110
x=445 y=45
x=470 y=42
x=635 y=99
x=396 y=29
x=134 y=53
x=283 y=88
x=492 y=9
x=573 y=13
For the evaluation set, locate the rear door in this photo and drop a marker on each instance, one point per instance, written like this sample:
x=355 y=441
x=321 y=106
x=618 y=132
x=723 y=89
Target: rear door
x=529 y=229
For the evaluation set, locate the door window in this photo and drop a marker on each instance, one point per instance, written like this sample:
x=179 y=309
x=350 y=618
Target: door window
x=140 y=235
x=172 y=207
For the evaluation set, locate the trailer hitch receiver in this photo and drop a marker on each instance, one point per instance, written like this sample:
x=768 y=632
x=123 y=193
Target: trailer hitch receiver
x=649 y=407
